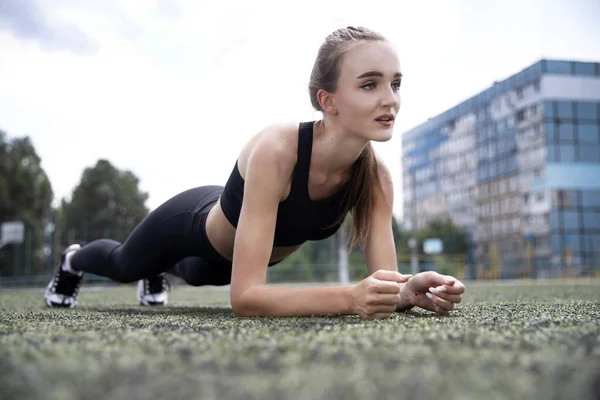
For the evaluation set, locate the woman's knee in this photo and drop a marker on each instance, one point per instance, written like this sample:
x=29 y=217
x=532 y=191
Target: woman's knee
x=198 y=272
x=207 y=281
x=128 y=270
x=124 y=276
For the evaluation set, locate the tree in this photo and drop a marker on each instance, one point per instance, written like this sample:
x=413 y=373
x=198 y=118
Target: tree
x=106 y=203
x=453 y=237
x=455 y=246
x=317 y=261
x=314 y=261
x=25 y=195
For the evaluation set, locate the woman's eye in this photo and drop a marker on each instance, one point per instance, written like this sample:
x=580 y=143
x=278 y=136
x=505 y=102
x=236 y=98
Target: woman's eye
x=368 y=86
x=396 y=85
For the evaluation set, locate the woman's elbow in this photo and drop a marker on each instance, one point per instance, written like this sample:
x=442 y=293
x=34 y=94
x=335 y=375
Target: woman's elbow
x=240 y=310
x=241 y=306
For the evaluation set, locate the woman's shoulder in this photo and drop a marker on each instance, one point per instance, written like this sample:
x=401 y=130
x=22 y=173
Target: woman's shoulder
x=279 y=137
x=276 y=143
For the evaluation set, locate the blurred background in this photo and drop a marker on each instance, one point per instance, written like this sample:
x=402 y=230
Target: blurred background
x=107 y=109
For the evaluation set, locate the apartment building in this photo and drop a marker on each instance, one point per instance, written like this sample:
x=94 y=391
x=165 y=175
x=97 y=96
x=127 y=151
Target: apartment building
x=518 y=166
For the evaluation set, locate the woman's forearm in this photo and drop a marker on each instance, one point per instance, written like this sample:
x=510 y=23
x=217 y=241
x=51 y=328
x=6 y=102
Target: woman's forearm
x=271 y=301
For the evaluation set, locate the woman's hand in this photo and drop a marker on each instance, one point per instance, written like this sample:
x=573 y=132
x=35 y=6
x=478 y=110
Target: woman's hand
x=377 y=296
x=434 y=292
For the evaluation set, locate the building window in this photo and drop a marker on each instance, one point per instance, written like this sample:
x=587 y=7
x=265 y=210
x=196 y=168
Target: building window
x=558 y=67
x=563 y=200
x=590 y=198
x=566 y=199
x=555 y=241
x=513 y=183
x=572 y=241
x=539 y=197
x=587 y=110
x=532 y=111
x=551 y=152
x=565 y=109
x=549 y=110
x=571 y=220
x=583 y=68
x=587 y=133
x=519 y=92
x=494 y=208
x=506 y=205
x=591 y=220
x=549 y=132
x=554 y=220
x=565 y=132
x=566 y=153
x=516 y=224
x=502 y=167
x=589 y=153
x=482 y=190
x=502 y=186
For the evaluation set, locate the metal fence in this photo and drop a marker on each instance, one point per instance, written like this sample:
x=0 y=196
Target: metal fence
x=32 y=262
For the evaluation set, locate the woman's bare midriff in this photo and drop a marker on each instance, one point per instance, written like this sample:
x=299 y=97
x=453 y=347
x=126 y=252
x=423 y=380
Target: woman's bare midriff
x=221 y=235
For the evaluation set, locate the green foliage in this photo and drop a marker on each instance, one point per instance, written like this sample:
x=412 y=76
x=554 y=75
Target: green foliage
x=453 y=237
x=106 y=202
x=318 y=260
x=25 y=195
x=25 y=191
x=401 y=239
x=315 y=261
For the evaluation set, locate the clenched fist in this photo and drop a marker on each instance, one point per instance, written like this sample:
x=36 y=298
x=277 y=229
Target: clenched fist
x=377 y=296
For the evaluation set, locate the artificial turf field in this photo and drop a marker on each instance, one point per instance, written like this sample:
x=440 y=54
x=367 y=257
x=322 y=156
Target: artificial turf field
x=519 y=340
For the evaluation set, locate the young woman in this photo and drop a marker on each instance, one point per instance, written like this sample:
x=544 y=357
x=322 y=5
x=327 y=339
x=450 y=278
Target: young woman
x=291 y=183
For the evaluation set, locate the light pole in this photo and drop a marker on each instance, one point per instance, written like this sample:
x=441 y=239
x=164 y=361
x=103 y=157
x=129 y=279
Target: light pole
x=343 y=255
x=414 y=258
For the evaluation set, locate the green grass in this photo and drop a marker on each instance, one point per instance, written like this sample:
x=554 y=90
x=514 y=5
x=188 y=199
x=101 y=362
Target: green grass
x=512 y=341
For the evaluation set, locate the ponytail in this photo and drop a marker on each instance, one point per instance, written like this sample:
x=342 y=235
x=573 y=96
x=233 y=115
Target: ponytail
x=359 y=198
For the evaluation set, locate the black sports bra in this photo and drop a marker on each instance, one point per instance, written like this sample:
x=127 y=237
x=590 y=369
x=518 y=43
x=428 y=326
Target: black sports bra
x=298 y=217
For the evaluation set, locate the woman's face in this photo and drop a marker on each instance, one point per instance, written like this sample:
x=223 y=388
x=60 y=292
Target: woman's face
x=367 y=97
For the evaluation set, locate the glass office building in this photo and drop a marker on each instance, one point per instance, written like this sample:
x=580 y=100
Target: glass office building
x=517 y=165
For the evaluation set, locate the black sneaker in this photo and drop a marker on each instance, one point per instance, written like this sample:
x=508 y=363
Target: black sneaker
x=63 y=289
x=153 y=291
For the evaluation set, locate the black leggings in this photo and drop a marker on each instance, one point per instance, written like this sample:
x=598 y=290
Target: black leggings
x=171 y=238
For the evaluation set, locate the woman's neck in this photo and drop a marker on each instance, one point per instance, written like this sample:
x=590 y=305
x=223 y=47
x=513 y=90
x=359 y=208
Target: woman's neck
x=334 y=150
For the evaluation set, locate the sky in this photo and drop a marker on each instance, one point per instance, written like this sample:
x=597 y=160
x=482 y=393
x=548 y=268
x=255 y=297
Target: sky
x=172 y=89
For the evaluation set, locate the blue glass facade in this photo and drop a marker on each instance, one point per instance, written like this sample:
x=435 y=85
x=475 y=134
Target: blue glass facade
x=500 y=163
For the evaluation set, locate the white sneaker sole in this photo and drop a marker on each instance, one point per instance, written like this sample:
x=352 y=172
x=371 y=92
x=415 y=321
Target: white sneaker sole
x=150 y=300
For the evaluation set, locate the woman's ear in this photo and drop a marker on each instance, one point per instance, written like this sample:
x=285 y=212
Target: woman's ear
x=327 y=101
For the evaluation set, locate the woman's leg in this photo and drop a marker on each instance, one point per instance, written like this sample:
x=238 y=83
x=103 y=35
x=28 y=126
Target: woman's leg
x=200 y=271
x=167 y=235
x=209 y=269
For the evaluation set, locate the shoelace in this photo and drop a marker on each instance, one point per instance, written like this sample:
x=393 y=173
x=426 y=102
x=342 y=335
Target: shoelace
x=66 y=283
x=157 y=284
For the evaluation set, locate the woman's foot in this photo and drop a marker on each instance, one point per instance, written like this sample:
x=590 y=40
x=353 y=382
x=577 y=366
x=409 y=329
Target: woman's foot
x=153 y=291
x=63 y=289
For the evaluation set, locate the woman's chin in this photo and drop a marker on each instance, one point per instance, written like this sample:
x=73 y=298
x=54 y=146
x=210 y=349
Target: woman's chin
x=382 y=135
